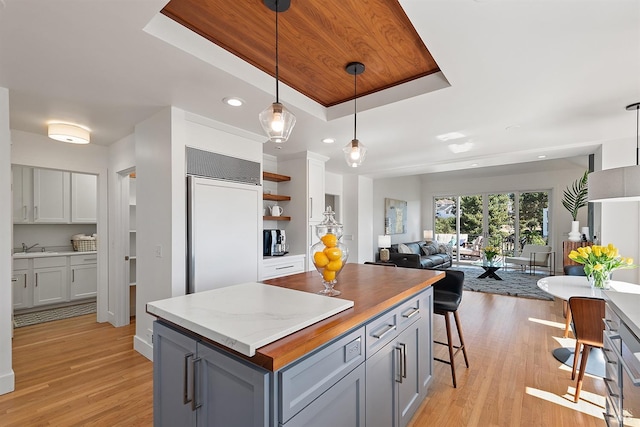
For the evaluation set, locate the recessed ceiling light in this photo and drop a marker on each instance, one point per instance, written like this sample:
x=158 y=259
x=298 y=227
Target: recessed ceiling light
x=234 y=102
x=512 y=127
x=450 y=136
x=460 y=148
x=542 y=156
x=328 y=140
x=473 y=165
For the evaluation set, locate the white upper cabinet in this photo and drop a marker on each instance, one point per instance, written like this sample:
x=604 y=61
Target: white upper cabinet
x=22 y=195
x=51 y=196
x=83 y=198
x=315 y=189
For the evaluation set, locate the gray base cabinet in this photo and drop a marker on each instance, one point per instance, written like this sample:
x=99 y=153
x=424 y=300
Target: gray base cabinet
x=398 y=373
x=374 y=375
x=197 y=385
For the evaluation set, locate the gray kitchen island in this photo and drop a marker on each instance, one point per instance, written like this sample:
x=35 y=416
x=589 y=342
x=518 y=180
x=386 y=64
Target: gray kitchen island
x=369 y=363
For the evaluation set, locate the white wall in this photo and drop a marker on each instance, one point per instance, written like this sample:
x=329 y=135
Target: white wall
x=7 y=378
x=620 y=221
x=160 y=143
x=407 y=188
x=357 y=217
x=121 y=158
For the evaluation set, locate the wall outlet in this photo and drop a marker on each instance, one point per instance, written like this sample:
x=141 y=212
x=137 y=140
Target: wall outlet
x=150 y=336
x=159 y=251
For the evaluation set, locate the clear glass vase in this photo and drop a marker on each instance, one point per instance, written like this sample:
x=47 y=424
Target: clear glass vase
x=329 y=255
x=600 y=279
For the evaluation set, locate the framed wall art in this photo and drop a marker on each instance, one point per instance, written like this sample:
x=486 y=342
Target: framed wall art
x=395 y=216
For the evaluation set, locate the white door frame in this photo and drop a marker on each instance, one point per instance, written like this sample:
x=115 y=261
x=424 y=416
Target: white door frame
x=120 y=289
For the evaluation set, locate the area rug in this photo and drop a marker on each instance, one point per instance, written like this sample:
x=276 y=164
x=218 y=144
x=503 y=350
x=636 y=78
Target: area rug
x=34 y=318
x=513 y=283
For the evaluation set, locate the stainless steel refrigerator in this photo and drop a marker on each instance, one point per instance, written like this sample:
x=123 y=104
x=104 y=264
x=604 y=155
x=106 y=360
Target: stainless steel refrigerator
x=224 y=233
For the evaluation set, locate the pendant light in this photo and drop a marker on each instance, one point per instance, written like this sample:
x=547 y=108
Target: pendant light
x=276 y=120
x=618 y=184
x=355 y=151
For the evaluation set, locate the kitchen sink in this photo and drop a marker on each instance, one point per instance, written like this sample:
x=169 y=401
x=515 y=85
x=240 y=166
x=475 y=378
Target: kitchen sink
x=33 y=254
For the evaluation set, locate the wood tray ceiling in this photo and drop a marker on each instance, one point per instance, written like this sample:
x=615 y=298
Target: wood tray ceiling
x=317 y=39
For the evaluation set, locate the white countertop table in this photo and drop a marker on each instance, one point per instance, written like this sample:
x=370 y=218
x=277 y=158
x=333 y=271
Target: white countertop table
x=565 y=287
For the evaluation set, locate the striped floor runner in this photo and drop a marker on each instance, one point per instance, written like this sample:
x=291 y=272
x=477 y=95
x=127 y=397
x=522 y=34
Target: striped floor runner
x=34 y=318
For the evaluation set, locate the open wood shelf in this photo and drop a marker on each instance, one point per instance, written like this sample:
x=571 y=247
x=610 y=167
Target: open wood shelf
x=276 y=218
x=274 y=177
x=276 y=197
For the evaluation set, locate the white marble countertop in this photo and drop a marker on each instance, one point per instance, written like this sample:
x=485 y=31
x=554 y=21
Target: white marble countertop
x=247 y=316
x=23 y=255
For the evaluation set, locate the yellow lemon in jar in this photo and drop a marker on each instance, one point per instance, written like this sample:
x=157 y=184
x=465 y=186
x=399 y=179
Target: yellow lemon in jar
x=328 y=275
x=334 y=265
x=320 y=259
x=333 y=253
x=329 y=240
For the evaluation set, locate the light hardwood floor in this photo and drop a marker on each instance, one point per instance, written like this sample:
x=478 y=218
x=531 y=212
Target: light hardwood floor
x=76 y=372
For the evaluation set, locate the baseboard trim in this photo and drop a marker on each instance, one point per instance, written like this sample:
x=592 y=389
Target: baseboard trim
x=7 y=382
x=143 y=347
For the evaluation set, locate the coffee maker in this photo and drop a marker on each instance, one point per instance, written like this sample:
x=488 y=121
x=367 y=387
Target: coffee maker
x=274 y=242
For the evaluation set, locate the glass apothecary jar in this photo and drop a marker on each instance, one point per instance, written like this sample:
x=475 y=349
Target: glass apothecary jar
x=329 y=255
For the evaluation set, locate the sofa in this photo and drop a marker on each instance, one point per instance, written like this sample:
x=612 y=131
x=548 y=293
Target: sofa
x=421 y=254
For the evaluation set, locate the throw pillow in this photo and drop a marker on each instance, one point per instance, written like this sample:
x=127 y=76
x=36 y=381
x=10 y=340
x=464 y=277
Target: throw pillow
x=403 y=249
x=429 y=249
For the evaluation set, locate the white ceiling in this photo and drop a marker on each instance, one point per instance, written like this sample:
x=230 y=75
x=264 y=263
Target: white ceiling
x=527 y=78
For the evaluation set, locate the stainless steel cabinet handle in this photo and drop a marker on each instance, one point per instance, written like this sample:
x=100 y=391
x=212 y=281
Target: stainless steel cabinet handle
x=414 y=311
x=609 y=390
x=185 y=379
x=24 y=212
x=388 y=329
x=310 y=207
x=36 y=280
x=610 y=325
x=25 y=280
x=283 y=267
x=73 y=275
x=35 y=212
x=399 y=362
x=403 y=365
x=194 y=404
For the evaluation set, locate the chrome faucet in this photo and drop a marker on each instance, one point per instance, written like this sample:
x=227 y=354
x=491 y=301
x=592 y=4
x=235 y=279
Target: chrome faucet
x=26 y=248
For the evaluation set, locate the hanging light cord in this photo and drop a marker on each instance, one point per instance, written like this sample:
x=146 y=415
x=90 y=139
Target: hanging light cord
x=277 y=92
x=637 y=134
x=355 y=104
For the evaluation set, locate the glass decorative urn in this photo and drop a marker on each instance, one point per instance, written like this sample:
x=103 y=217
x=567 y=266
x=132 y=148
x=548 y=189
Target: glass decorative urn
x=329 y=255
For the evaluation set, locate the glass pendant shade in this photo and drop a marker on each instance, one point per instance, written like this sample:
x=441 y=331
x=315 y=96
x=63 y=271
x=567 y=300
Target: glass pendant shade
x=277 y=122
x=354 y=153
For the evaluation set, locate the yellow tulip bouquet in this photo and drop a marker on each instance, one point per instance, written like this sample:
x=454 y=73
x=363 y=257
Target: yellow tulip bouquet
x=599 y=262
x=490 y=252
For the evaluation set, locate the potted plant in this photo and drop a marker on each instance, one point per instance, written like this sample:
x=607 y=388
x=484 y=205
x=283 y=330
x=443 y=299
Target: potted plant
x=574 y=198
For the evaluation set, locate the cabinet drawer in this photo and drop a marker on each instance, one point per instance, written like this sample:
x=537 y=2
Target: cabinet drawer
x=83 y=259
x=55 y=261
x=381 y=331
x=612 y=321
x=304 y=381
x=283 y=267
x=409 y=312
x=20 y=264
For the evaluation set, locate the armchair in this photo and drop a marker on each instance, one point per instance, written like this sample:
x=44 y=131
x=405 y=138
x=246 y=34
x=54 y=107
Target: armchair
x=533 y=256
